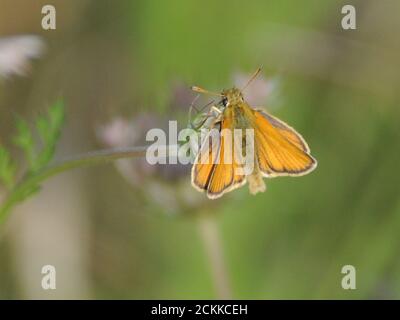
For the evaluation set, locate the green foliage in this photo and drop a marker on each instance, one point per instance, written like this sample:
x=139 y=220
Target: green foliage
x=49 y=128
x=24 y=140
x=37 y=155
x=7 y=168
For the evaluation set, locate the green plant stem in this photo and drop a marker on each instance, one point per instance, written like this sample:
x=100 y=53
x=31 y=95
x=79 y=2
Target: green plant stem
x=207 y=224
x=210 y=236
x=91 y=158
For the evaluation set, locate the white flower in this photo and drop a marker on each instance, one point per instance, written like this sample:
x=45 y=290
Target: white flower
x=16 y=53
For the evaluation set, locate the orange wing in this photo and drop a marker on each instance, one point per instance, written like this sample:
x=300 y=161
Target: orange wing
x=288 y=132
x=218 y=176
x=204 y=163
x=280 y=149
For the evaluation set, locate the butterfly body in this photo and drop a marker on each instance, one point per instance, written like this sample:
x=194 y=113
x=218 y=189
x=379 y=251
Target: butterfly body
x=276 y=149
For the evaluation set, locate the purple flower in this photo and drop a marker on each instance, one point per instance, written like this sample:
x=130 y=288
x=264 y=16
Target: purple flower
x=167 y=185
x=259 y=92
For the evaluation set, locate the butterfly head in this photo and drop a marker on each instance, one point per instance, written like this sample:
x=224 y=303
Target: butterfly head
x=231 y=97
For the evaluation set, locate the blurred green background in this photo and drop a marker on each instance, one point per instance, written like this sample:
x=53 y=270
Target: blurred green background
x=113 y=234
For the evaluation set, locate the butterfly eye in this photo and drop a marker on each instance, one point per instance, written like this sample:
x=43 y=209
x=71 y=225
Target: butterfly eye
x=225 y=101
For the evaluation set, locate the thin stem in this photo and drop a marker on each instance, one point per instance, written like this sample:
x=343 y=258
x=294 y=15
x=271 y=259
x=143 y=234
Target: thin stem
x=207 y=224
x=210 y=237
x=90 y=158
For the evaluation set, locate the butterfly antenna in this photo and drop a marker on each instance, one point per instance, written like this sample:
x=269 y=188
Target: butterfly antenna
x=192 y=106
x=201 y=90
x=252 y=78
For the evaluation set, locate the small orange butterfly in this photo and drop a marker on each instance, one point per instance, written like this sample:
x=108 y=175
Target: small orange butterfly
x=278 y=150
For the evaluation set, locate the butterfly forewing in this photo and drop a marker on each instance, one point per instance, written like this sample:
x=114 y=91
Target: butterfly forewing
x=205 y=160
x=221 y=175
x=280 y=149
